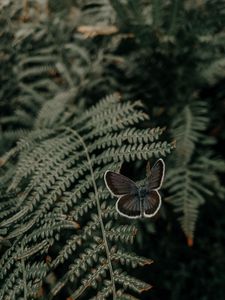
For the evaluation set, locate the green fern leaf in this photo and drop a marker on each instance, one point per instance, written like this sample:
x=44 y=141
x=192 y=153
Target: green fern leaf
x=62 y=203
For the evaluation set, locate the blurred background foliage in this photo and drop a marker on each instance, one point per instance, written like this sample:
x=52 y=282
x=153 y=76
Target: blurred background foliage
x=169 y=54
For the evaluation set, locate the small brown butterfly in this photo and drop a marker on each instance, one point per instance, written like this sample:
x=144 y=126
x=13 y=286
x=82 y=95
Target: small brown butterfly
x=133 y=201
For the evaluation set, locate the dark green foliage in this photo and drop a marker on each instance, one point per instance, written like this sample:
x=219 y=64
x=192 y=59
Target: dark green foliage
x=164 y=55
x=169 y=54
x=194 y=177
x=61 y=203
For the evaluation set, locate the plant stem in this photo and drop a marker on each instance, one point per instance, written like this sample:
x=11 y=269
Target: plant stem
x=99 y=211
x=24 y=278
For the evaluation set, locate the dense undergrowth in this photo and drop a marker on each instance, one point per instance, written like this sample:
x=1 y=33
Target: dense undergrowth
x=60 y=235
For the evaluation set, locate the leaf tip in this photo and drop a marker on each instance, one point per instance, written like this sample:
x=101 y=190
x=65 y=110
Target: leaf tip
x=190 y=241
x=2 y=162
x=146 y=288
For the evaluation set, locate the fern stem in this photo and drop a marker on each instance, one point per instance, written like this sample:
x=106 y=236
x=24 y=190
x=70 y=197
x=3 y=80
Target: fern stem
x=186 y=134
x=99 y=210
x=24 y=278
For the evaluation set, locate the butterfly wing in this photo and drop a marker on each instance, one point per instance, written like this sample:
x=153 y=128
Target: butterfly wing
x=129 y=206
x=151 y=204
x=156 y=176
x=118 y=184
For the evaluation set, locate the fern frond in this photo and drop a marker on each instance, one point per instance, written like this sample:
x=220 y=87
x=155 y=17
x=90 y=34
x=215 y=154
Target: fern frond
x=189 y=126
x=130 y=282
x=192 y=179
x=62 y=200
x=126 y=258
x=124 y=233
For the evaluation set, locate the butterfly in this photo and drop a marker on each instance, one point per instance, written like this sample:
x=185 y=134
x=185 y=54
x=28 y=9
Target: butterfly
x=133 y=201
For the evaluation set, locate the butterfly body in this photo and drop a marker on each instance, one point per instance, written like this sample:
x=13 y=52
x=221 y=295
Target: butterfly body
x=141 y=194
x=133 y=201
